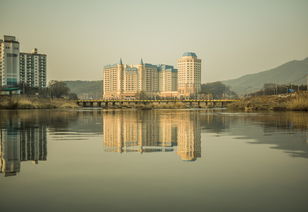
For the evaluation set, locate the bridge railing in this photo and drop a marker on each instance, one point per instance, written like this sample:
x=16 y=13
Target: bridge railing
x=160 y=100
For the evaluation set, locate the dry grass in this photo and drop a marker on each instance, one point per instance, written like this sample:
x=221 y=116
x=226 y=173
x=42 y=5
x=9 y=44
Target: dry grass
x=299 y=103
x=292 y=102
x=24 y=102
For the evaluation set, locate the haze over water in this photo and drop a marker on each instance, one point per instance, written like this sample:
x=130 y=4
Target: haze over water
x=157 y=160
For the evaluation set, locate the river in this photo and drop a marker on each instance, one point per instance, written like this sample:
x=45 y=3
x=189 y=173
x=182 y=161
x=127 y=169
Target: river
x=153 y=160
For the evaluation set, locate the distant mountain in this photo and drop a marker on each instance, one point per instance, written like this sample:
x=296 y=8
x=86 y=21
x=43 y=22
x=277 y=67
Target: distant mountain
x=86 y=89
x=294 y=72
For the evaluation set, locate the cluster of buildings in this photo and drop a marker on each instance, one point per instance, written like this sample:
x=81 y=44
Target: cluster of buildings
x=130 y=131
x=133 y=81
x=19 y=67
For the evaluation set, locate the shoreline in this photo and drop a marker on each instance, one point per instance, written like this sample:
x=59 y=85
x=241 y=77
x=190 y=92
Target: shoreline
x=33 y=102
x=286 y=102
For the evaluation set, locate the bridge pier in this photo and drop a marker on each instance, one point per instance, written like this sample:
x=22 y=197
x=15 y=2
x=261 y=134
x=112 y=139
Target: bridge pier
x=203 y=104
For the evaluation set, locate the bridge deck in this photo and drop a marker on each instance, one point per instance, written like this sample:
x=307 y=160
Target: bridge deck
x=153 y=100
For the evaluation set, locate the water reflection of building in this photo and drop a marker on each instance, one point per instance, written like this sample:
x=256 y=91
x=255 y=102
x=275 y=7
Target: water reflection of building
x=17 y=145
x=189 y=137
x=152 y=131
x=9 y=152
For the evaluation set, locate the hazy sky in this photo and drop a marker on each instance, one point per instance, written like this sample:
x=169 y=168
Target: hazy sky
x=232 y=38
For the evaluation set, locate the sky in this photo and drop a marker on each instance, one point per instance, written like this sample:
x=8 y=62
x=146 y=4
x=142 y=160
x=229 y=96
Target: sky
x=233 y=38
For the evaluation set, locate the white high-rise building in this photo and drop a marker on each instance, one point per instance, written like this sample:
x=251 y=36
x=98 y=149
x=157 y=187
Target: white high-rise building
x=33 y=69
x=130 y=81
x=189 y=74
x=16 y=66
x=9 y=61
x=168 y=78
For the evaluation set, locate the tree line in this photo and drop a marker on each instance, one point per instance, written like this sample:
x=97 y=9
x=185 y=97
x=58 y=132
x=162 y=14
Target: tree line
x=55 y=89
x=217 y=90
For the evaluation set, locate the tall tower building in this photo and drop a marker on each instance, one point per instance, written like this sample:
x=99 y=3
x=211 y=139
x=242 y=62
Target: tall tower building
x=9 y=61
x=32 y=69
x=189 y=74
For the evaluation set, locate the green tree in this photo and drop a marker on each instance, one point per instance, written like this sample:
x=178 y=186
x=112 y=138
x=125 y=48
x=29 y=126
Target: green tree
x=218 y=90
x=58 y=89
x=142 y=95
x=72 y=96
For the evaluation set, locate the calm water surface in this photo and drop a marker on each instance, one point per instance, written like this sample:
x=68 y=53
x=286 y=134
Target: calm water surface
x=158 y=160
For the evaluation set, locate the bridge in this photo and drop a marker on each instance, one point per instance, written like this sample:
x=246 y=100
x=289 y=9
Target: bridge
x=105 y=103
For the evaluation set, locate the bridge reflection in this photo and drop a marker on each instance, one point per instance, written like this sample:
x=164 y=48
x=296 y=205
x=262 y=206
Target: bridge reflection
x=153 y=131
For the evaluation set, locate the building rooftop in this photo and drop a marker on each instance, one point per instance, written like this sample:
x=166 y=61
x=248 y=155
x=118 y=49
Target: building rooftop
x=166 y=67
x=111 y=65
x=189 y=54
x=9 y=38
x=131 y=69
x=150 y=65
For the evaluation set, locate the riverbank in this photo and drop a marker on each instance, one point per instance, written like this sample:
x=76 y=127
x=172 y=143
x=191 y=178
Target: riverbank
x=286 y=102
x=25 y=102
